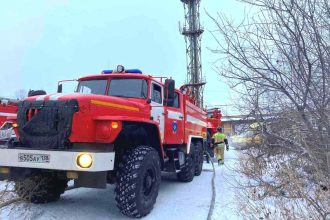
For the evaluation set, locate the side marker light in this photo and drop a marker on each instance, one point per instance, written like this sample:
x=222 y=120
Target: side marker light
x=114 y=125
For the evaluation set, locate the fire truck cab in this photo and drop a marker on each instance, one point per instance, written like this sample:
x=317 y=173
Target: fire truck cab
x=121 y=127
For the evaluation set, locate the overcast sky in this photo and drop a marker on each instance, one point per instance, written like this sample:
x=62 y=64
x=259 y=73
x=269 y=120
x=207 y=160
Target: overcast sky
x=44 y=41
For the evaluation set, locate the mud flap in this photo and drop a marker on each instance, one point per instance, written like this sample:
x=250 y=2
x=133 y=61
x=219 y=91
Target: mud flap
x=96 y=180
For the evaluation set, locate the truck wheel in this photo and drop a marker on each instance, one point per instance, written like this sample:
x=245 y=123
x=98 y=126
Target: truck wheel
x=187 y=173
x=199 y=157
x=138 y=181
x=41 y=188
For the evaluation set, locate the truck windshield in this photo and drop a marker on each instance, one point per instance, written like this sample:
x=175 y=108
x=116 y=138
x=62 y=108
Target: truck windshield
x=129 y=88
x=97 y=86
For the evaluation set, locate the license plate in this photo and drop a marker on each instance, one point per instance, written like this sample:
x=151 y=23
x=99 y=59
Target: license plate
x=34 y=158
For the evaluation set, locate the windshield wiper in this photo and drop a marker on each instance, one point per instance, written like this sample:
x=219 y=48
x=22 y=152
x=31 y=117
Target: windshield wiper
x=122 y=96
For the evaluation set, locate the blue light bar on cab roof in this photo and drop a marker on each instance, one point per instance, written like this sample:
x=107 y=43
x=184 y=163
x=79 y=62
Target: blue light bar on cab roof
x=107 y=71
x=133 y=71
x=126 y=71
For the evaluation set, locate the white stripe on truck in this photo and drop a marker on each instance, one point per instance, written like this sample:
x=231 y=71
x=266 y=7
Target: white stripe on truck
x=7 y=114
x=175 y=115
x=196 y=121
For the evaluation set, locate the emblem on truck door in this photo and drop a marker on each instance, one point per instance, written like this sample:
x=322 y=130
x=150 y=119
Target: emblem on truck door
x=174 y=127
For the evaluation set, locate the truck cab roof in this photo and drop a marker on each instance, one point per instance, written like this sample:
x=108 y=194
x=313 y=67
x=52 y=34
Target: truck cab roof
x=115 y=75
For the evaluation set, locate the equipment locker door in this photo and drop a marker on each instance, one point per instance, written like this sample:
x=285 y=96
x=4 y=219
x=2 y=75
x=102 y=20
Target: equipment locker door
x=157 y=107
x=174 y=121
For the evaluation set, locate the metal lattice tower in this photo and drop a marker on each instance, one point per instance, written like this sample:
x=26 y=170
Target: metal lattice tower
x=192 y=31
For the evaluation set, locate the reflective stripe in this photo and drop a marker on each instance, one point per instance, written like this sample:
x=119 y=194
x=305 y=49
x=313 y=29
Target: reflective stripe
x=175 y=115
x=7 y=114
x=114 y=105
x=219 y=137
x=194 y=120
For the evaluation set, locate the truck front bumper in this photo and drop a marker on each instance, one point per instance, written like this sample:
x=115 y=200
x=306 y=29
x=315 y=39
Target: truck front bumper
x=56 y=160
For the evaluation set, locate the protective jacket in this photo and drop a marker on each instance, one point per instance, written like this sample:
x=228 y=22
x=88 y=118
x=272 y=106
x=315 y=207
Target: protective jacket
x=220 y=139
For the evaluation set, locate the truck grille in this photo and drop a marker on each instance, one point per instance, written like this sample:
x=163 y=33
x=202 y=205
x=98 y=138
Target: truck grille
x=45 y=124
x=31 y=112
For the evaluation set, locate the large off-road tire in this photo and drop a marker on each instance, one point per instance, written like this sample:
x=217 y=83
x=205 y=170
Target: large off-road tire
x=199 y=157
x=187 y=173
x=138 y=180
x=41 y=188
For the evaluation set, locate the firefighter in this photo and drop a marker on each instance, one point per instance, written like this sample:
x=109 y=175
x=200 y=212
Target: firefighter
x=219 y=141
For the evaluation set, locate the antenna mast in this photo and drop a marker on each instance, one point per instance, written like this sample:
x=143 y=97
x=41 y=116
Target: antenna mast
x=192 y=31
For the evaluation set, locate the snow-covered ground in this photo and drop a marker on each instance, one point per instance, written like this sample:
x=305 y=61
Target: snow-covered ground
x=175 y=201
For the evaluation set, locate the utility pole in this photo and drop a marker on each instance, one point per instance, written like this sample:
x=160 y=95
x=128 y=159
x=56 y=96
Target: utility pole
x=192 y=31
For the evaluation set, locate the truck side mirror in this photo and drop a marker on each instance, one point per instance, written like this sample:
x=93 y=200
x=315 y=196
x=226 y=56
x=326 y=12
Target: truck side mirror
x=169 y=92
x=59 y=88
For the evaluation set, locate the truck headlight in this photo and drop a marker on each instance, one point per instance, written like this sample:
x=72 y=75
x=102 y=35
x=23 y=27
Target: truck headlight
x=84 y=160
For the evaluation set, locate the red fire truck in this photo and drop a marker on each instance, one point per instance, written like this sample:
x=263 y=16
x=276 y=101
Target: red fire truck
x=121 y=127
x=8 y=108
x=213 y=120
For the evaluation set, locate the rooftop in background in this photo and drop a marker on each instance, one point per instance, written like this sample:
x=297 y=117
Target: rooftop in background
x=242 y=118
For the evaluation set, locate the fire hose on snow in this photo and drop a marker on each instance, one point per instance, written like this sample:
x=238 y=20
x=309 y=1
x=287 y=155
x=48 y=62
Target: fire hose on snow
x=209 y=216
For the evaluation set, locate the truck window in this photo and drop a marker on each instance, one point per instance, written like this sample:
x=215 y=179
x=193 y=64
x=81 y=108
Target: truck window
x=176 y=103
x=128 y=88
x=96 y=86
x=156 y=94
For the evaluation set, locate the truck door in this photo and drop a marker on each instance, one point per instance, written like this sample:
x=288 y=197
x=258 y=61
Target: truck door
x=174 y=121
x=157 y=107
